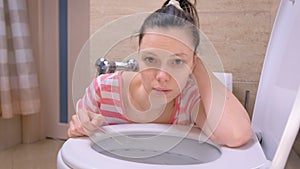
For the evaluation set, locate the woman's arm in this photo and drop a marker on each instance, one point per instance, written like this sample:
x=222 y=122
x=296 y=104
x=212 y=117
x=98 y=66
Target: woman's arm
x=87 y=117
x=221 y=116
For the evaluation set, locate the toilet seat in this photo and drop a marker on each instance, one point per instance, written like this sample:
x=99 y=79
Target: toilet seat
x=249 y=156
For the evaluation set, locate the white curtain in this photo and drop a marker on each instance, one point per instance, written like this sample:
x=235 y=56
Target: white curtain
x=19 y=89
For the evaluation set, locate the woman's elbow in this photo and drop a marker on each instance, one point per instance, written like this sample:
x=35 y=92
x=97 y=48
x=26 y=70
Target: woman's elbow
x=240 y=138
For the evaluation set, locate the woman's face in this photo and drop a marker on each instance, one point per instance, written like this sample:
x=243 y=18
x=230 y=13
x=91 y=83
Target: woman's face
x=165 y=61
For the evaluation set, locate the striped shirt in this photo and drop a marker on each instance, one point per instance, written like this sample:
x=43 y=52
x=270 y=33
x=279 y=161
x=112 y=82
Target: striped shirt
x=104 y=96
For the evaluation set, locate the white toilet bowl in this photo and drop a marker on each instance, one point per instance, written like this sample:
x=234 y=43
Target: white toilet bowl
x=150 y=146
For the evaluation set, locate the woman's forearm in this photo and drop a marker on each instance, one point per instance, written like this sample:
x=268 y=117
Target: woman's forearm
x=227 y=122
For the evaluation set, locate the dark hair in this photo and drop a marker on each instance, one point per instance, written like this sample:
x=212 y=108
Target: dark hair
x=171 y=16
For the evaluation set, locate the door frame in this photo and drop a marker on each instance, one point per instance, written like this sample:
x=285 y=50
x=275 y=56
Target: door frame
x=78 y=33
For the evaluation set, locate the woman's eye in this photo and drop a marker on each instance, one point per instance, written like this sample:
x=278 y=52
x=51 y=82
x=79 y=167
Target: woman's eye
x=149 y=59
x=177 y=62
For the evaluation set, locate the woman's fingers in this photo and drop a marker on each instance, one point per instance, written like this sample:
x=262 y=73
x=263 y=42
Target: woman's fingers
x=90 y=121
x=97 y=119
x=84 y=123
x=75 y=130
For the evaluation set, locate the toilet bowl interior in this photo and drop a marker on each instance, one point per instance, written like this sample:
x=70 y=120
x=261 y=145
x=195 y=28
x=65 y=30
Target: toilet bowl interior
x=156 y=144
x=156 y=149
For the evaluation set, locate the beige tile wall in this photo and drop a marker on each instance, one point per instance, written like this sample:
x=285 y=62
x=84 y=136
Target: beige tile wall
x=239 y=30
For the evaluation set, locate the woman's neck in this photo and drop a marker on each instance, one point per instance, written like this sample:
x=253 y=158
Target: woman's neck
x=142 y=100
x=141 y=106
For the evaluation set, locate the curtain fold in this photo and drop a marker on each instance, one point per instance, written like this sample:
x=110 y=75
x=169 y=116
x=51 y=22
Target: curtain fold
x=19 y=88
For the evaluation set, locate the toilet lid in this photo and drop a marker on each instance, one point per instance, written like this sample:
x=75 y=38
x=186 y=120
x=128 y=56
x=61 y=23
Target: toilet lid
x=279 y=79
x=83 y=153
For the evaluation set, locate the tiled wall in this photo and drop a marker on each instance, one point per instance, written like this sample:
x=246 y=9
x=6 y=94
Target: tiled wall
x=239 y=30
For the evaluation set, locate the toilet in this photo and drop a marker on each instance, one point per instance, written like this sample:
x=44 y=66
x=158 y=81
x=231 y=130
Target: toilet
x=144 y=146
x=150 y=146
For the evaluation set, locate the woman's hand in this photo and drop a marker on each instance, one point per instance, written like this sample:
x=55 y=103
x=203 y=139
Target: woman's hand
x=84 y=123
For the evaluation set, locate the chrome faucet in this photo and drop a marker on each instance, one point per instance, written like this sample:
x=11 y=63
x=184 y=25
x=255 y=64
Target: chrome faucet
x=105 y=66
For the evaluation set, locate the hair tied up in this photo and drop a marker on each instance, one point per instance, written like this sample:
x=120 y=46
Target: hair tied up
x=175 y=3
x=184 y=7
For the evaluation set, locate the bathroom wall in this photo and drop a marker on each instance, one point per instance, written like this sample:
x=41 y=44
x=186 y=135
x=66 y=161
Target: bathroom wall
x=240 y=31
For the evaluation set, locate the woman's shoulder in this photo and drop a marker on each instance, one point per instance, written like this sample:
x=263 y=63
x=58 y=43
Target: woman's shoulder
x=128 y=74
x=110 y=75
x=118 y=78
x=129 y=77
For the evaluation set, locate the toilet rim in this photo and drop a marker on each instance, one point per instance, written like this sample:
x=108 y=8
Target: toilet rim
x=77 y=153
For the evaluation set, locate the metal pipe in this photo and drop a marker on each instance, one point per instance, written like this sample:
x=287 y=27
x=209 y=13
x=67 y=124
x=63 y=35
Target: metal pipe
x=105 y=66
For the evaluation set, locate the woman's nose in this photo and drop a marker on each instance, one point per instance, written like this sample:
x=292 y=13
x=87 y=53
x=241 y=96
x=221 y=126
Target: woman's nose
x=162 y=76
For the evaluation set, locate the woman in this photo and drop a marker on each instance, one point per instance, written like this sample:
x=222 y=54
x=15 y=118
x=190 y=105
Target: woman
x=172 y=86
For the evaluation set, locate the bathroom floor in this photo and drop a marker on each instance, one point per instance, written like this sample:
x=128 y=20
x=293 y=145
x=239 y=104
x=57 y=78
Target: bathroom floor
x=42 y=155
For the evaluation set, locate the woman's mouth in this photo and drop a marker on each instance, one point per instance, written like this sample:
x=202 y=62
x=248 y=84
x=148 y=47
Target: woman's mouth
x=162 y=91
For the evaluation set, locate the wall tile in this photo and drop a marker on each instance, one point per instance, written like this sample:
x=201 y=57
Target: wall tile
x=239 y=90
x=103 y=12
x=97 y=21
x=238 y=27
x=233 y=5
x=244 y=61
x=124 y=7
x=125 y=49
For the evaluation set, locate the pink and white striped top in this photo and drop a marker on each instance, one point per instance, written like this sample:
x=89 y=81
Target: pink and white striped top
x=104 y=96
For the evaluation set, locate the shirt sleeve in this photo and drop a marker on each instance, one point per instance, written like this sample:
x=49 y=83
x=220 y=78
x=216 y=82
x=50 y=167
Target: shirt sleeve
x=91 y=99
